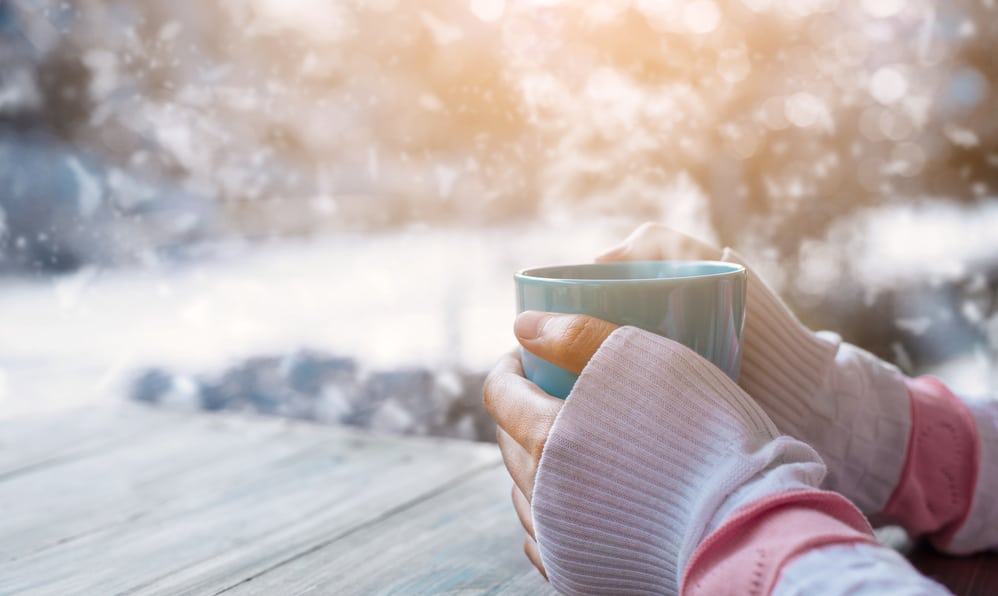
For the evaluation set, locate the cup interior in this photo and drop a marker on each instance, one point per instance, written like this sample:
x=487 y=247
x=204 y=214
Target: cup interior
x=631 y=271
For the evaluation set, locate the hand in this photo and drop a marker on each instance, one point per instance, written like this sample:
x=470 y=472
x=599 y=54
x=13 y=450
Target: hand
x=523 y=411
x=813 y=387
x=654 y=448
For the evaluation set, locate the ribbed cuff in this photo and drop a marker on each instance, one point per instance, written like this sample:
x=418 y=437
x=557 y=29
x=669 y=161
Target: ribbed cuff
x=980 y=530
x=781 y=358
x=852 y=407
x=650 y=445
x=750 y=549
x=853 y=570
x=936 y=489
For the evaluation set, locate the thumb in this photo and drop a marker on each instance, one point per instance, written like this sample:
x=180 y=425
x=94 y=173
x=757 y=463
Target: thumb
x=568 y=341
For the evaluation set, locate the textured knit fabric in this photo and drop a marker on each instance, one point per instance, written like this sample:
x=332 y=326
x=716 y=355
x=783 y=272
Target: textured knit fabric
x=746 y=554
x=656 y=458
x=846 y=403
x=933 y=497
x=853 y=570
x=855 y=410
x=651 y=451
x=980 y=530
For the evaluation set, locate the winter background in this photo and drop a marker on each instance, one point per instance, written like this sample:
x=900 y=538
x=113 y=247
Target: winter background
x=313 y=208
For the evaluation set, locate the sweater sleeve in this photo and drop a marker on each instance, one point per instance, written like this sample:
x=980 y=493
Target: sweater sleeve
x=806 y=543
x=946 y=493
x=655 y=450
x=747 y=553
x=935 y=493
x=903 y=450
x=948 y=489
x=979 y=530
x=853 y=569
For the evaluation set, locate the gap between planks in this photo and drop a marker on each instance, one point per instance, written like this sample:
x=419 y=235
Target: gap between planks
x=398 y=510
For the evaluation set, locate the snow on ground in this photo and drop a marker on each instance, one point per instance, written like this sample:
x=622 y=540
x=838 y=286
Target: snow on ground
x=434 y=298
x=441 y=299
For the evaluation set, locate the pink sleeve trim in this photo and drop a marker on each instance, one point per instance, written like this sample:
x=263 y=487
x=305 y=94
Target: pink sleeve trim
x=748 y=551
x=935 y=493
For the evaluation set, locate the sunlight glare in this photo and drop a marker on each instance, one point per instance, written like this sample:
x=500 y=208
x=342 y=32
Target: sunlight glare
x=488 y=10
x=701 y=16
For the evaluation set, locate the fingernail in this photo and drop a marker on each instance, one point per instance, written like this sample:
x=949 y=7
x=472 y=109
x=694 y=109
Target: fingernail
x=530 y=324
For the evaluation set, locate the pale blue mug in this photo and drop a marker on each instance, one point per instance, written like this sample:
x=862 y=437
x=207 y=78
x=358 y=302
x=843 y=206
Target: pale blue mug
x=700 y=304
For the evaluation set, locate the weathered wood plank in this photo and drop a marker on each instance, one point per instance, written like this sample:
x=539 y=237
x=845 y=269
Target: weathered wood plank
x=144 y=473
x=463 y=540
x=148 y=502
x=223 y=521
x=29 y=443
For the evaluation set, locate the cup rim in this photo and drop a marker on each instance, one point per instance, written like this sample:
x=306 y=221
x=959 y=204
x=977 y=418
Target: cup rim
x=535 y=273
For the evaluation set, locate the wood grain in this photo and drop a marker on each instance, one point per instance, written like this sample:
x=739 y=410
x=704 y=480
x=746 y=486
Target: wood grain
x=201 y=504
x=464 y=540
x=29 y=443
x=135 y=501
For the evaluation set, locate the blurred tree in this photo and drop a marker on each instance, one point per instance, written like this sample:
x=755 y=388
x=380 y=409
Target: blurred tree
x=789 y=116
x=378 y=114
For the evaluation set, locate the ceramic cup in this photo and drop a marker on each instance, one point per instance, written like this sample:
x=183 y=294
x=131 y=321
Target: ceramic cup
x=698 y=303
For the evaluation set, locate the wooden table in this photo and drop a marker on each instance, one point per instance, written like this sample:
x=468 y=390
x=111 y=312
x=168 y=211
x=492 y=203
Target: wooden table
x=141 y=501
x=150 y=502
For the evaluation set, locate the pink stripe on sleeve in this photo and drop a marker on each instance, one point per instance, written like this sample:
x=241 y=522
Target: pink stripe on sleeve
x=936 y=490
x=746 y=553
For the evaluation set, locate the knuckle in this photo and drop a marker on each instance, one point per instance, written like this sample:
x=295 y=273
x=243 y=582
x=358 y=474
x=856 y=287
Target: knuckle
x=538 y=441
x=540 y=433
x=492 y=390
x=576 y=331
x=579 y=338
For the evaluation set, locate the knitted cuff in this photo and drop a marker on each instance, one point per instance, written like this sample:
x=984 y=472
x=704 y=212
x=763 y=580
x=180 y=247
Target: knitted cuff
x=750 y=549
x=650 y=445
x=849 y=405
x=934 y=494
x=980 y=529
x=781 y=358
x=853 y=570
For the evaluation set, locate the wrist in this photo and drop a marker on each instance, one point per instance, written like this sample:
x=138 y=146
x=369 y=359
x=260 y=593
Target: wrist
x=849 y=405
x=781 y=358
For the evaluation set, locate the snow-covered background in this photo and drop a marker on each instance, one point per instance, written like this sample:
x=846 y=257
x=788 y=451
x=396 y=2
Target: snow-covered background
x=314 y=208
x=437 y=302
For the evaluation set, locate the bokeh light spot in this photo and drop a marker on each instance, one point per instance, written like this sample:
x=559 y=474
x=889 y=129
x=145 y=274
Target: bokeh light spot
x=888 y=85
x=883 y=8
x=803 y=109
x=488 y=10
x=701 y=16
x=733 y=65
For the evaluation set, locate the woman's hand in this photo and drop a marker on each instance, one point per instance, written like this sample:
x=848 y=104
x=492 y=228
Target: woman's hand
x=847 y=404
x=523 y=411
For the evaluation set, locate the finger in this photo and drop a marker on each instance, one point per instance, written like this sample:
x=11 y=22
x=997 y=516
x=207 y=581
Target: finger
x=522 y=506
x=534 y=554
x=654 y=242
x=520 y=464
x=519 y=407
x=568 y=341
